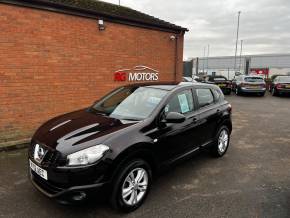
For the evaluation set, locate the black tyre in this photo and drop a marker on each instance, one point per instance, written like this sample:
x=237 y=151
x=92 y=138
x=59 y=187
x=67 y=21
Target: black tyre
x=131 y=185
x=237 y=91
x=274 y=92
x=221 y=143
x=227 y=92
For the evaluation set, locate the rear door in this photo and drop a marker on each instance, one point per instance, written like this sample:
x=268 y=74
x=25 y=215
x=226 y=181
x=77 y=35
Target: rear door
x=209 y=114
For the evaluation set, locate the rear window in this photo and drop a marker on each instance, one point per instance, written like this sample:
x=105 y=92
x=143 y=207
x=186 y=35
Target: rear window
x=285 y=79
x=254 y=79
x=219 y=79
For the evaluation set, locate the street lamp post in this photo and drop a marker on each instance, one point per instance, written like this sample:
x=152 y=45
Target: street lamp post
x=207 y=58
x=241 y=55
x=203 y=60
x=238 y=27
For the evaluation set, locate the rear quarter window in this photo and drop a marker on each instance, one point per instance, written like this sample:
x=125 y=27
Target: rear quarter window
x=218 y=95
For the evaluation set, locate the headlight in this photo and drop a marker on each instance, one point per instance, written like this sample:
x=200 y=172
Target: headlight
x=87 y=156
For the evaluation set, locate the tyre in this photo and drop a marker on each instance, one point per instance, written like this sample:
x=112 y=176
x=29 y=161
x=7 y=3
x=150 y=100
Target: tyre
x=227 y=92
x=131 y=185
x=237 y=91
x=274 y=92
x=221 y=143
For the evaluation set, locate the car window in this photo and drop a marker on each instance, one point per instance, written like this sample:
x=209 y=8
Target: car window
x=285 y=79
x=217 y=94
x=204 y=97
x=181 y=103
x=130 y=103
x=219 y=79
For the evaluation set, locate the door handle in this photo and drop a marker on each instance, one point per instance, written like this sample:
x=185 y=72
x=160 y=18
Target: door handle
x=218 y=111
x=194 y=120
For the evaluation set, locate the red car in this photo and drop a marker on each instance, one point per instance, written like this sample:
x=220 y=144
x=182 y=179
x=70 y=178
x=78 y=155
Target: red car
x=280 y=85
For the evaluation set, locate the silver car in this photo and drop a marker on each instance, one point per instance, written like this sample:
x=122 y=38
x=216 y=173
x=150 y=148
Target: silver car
x=245 y=84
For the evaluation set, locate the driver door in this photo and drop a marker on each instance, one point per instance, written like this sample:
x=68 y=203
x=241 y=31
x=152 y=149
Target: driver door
x=177 y=139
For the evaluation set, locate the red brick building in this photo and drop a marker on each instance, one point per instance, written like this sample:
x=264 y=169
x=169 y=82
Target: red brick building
x=57 y=56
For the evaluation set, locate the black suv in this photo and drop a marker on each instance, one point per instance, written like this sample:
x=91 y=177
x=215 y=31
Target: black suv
x=121 y=141
x=221 y=81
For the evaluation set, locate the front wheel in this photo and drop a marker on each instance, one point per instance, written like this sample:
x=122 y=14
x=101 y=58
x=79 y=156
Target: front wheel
x=262 y=94
x=227 y=92
x=221 y=143
x=131 y=185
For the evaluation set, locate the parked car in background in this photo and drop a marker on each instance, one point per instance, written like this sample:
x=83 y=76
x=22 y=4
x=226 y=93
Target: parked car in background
x=246 y=84
x=280 y=85
x=117 y=144
x=271 y=79
x=221 y=81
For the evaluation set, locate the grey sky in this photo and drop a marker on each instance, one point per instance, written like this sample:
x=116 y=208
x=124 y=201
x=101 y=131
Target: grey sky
x=265 y=24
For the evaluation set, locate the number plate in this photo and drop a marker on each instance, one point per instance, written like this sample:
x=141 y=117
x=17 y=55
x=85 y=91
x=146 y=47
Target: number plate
x=288 y=86
x=253 y=87
x=222 y=85
x=39 y=171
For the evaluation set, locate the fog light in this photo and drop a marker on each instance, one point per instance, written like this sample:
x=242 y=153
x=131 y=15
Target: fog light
x=79 y=196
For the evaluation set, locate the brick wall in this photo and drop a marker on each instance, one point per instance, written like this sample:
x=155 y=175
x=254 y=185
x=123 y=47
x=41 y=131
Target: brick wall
x=52 y=63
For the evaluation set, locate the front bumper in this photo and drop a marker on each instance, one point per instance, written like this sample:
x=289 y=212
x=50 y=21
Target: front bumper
x=282 y=90
x=71 y=184
x=52 y=191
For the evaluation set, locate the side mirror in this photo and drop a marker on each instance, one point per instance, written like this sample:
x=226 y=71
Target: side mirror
x=174 y=117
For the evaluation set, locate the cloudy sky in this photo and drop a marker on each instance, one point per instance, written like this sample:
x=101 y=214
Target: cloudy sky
x=264 y=24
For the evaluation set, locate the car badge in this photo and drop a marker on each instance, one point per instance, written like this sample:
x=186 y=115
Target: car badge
x=39 y=153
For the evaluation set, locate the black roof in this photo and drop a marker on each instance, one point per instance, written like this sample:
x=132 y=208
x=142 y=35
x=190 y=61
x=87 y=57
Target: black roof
x=103 y=10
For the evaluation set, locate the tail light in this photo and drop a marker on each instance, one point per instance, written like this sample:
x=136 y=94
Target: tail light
x=263 y=85
x=279 y=86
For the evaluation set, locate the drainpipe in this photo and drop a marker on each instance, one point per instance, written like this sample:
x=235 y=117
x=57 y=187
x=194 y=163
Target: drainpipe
x=176 y=58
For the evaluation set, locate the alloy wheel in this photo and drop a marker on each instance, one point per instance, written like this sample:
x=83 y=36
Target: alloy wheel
x=223 y=141
x=135 y=186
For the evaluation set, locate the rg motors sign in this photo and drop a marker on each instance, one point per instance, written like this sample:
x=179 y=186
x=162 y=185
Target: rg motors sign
x=137 y=74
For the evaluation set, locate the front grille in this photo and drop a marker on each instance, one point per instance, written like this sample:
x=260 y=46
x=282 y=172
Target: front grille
x=51 y=157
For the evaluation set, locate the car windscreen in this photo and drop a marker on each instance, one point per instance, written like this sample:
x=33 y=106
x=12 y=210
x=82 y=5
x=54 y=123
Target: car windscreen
x=254 y=79
x=284 y=79
x=130 y=103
